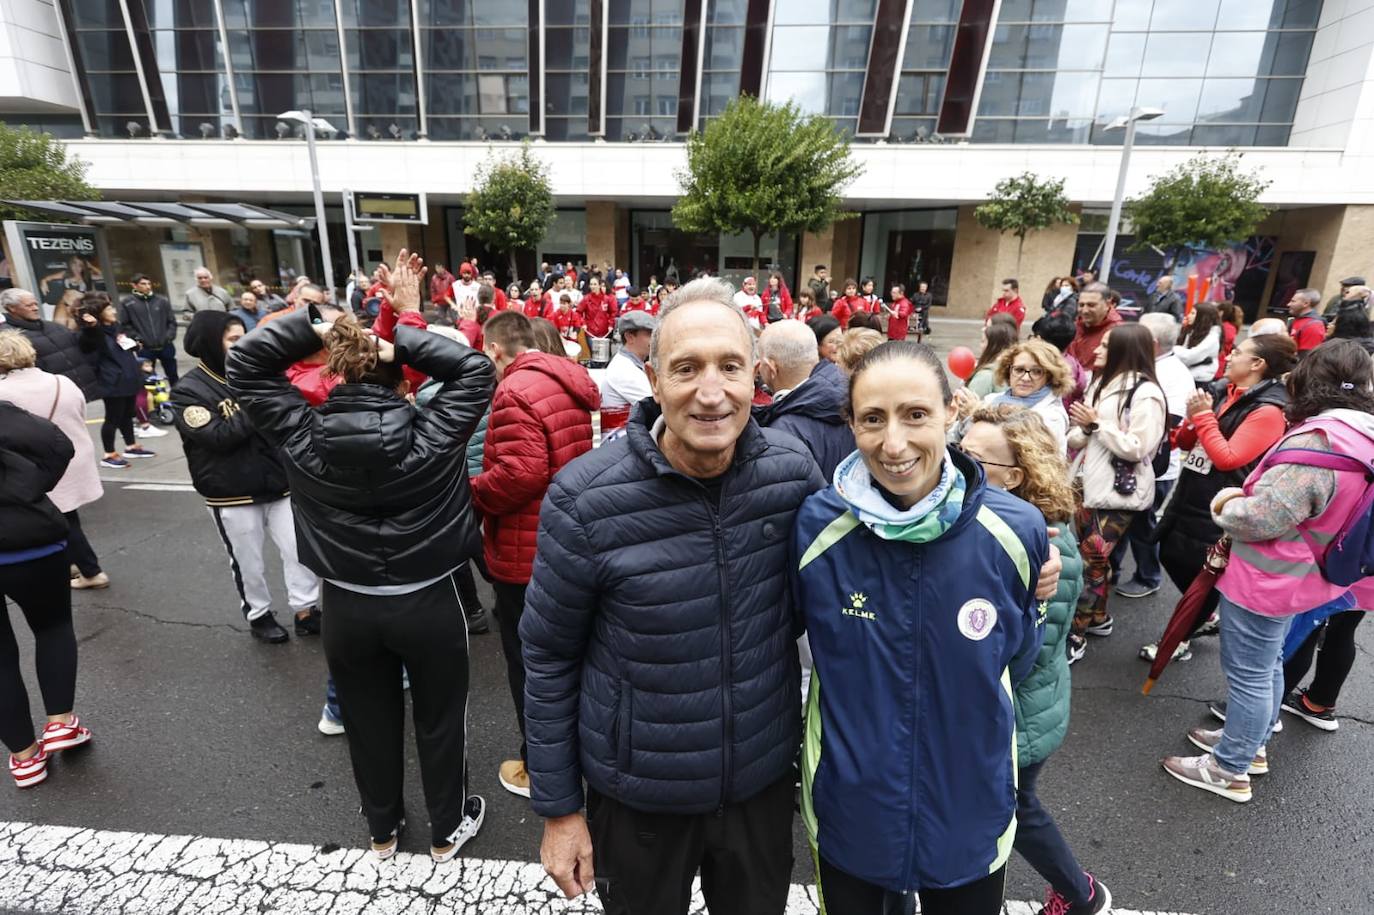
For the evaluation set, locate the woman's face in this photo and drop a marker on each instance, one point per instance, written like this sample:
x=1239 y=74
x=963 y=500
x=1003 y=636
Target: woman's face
x=1244 y=369
x=1027 y=375
x=830 y=345
x=868 y=287
x=986 y=444
x=851 y=289
x=1100 y=354
x=773 y=282
x=1066 y=286
x=109 y=315
x=900 y=421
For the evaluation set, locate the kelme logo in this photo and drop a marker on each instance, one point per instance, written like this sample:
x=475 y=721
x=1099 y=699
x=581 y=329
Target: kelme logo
x=857 y=600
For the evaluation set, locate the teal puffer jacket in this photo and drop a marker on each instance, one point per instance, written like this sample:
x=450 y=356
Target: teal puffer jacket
x=479 y=435
x=1042 y=699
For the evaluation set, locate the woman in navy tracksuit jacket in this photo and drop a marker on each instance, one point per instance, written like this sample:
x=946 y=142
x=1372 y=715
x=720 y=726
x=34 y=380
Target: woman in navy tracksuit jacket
x=917 y=584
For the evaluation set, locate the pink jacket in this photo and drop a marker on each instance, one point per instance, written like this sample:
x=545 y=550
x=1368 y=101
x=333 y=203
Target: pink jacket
x=34 y=390
x=1280 y=577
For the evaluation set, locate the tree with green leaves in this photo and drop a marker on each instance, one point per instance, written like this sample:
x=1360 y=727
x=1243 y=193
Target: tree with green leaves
x=1206 y=201
x=763 y=168
x=35 y=166
x=1024 y=204
x=510 y=206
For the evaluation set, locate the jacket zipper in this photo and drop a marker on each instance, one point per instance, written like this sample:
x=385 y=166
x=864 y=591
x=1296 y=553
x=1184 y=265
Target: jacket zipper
x=725 y=658
x=919 y=633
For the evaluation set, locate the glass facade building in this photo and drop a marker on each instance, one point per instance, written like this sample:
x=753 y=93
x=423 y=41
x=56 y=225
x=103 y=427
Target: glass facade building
x=1225 y=72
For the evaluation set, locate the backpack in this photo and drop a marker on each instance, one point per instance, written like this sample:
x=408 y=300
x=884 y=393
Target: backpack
x=1350 y=556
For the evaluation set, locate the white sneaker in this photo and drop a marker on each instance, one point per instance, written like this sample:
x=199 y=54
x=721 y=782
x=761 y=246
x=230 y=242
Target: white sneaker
x=329 y=726
x=474 y=811
x=1207 y=740
x=150 y=431
x=1203 y=772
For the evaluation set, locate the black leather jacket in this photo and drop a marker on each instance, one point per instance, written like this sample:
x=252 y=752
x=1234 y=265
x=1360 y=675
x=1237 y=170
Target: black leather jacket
x=379 y=488
x=34 y=454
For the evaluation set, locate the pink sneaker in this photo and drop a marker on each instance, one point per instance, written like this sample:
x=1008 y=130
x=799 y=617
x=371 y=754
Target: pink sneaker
x=31 y=771
x=58 y=736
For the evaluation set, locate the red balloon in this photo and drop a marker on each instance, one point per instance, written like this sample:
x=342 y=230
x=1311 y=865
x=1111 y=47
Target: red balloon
x=961 y=362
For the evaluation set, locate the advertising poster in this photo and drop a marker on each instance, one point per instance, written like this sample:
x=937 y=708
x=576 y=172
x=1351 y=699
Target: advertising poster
x=179 y=263
x=58 y=263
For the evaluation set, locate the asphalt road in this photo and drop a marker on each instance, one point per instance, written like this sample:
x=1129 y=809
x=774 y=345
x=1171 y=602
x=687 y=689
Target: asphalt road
x=202 y=731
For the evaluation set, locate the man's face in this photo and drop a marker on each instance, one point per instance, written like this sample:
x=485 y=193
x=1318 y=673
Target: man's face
x=248 y=301
x=1165 y=283
x=310 y=297
x=1297 y=305
x=233 y=333
x=203 y=279
x=1092 y=308
x=637 y=342
x=1008 y=292
x=705 y=378
x=26 y=308
x=822 y=273
x=145 y=286
x=750 y=286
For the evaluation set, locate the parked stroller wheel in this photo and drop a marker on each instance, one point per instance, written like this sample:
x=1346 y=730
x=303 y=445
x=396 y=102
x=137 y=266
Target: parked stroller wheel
x=164 y=416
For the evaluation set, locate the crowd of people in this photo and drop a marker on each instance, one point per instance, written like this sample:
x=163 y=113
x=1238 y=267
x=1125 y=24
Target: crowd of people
x=798 y=555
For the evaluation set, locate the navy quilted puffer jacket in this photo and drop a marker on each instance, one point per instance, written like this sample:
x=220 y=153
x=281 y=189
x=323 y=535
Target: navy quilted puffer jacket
x=659 y=636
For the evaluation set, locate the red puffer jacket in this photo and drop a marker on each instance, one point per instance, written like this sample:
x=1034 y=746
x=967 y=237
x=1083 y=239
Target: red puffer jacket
x=540 y=420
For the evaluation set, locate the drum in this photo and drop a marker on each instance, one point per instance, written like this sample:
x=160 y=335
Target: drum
x=601 y=349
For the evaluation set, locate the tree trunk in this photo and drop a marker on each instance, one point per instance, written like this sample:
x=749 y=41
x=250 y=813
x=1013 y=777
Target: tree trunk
x=1020 y=246
x=510 y=256
x=756 y=252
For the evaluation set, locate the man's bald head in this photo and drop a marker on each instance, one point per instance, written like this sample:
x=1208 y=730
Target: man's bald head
x=1268 y=326
x=787 y=354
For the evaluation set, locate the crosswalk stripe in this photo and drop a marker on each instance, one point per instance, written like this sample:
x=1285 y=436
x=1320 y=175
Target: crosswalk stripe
x=76 y=871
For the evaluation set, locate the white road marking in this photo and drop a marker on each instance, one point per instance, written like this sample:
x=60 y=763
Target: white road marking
x=162 y=487
x=75 y=871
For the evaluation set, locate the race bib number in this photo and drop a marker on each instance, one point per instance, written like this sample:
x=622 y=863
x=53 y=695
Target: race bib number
x=1197 y=461
x=126 y=343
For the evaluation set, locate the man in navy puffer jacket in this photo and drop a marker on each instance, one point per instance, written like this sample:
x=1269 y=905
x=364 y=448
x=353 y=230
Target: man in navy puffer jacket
x=659 y=637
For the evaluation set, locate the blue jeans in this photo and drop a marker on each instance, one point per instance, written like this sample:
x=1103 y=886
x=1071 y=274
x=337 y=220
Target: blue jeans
x=1039 y=841
x=331 y=702
x=1140 y=536
x=1252 y=659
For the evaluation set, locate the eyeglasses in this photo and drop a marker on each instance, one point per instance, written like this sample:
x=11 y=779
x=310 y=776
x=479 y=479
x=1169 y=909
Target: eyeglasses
x=1031 y=372
x=973 y=457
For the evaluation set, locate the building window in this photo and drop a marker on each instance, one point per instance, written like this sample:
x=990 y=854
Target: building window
x=476 y=67
x=643 y=56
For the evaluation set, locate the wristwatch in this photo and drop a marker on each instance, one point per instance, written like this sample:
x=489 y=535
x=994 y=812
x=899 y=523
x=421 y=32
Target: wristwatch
x=1090 y=428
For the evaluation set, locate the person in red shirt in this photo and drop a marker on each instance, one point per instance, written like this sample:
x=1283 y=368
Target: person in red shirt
x=537 y=302
x=807 y=309
x=635 y=302
x=498 y=297
x=567 y=320
x=1097 y=314
x=1307 y=328
x=1010 y=303
x=439 y=285
x=898 y=313
x=848 y=305
x=868 y=292
x=598 y=309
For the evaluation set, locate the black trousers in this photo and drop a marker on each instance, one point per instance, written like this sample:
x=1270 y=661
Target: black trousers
x=1182 y=558
x=119 y=414
x=366 y=640
x=79 y=549
x=467 y=590
x=42 y=589
x=644 y=862
x=510 y=606
x=167 y=355
x=1334 y=661
x=844 y=894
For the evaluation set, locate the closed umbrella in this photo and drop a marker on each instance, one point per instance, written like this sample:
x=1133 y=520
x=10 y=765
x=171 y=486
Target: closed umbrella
x=1189 y=611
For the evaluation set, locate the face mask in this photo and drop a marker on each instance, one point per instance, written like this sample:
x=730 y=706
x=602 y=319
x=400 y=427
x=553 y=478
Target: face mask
x=1066 y=289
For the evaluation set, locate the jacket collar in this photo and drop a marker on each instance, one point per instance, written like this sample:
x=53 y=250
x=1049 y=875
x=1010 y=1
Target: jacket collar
x=639 y=433
x=23 y=323
x=211 y=372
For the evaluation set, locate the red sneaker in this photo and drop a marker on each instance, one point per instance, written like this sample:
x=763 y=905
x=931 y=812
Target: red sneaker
x=58 y=736
x=31 y=771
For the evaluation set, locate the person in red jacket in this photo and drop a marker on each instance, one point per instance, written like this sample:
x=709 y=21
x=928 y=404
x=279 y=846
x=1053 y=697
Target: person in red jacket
x=541 y=419
x=536 y=301
x=898 y=313
x=807 y=308
x=1307 y=328
x=848 y=305
x=498 y=297
x=1097 y=314
x=598 y=310
x=1010 y=303
x=566 y=318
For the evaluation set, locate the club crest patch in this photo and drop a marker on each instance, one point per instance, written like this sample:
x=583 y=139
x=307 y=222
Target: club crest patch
x=976 y=619
x=196 y=417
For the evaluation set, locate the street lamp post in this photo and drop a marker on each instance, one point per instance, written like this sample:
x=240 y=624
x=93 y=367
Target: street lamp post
x=1114 y=221
x=311 y=124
